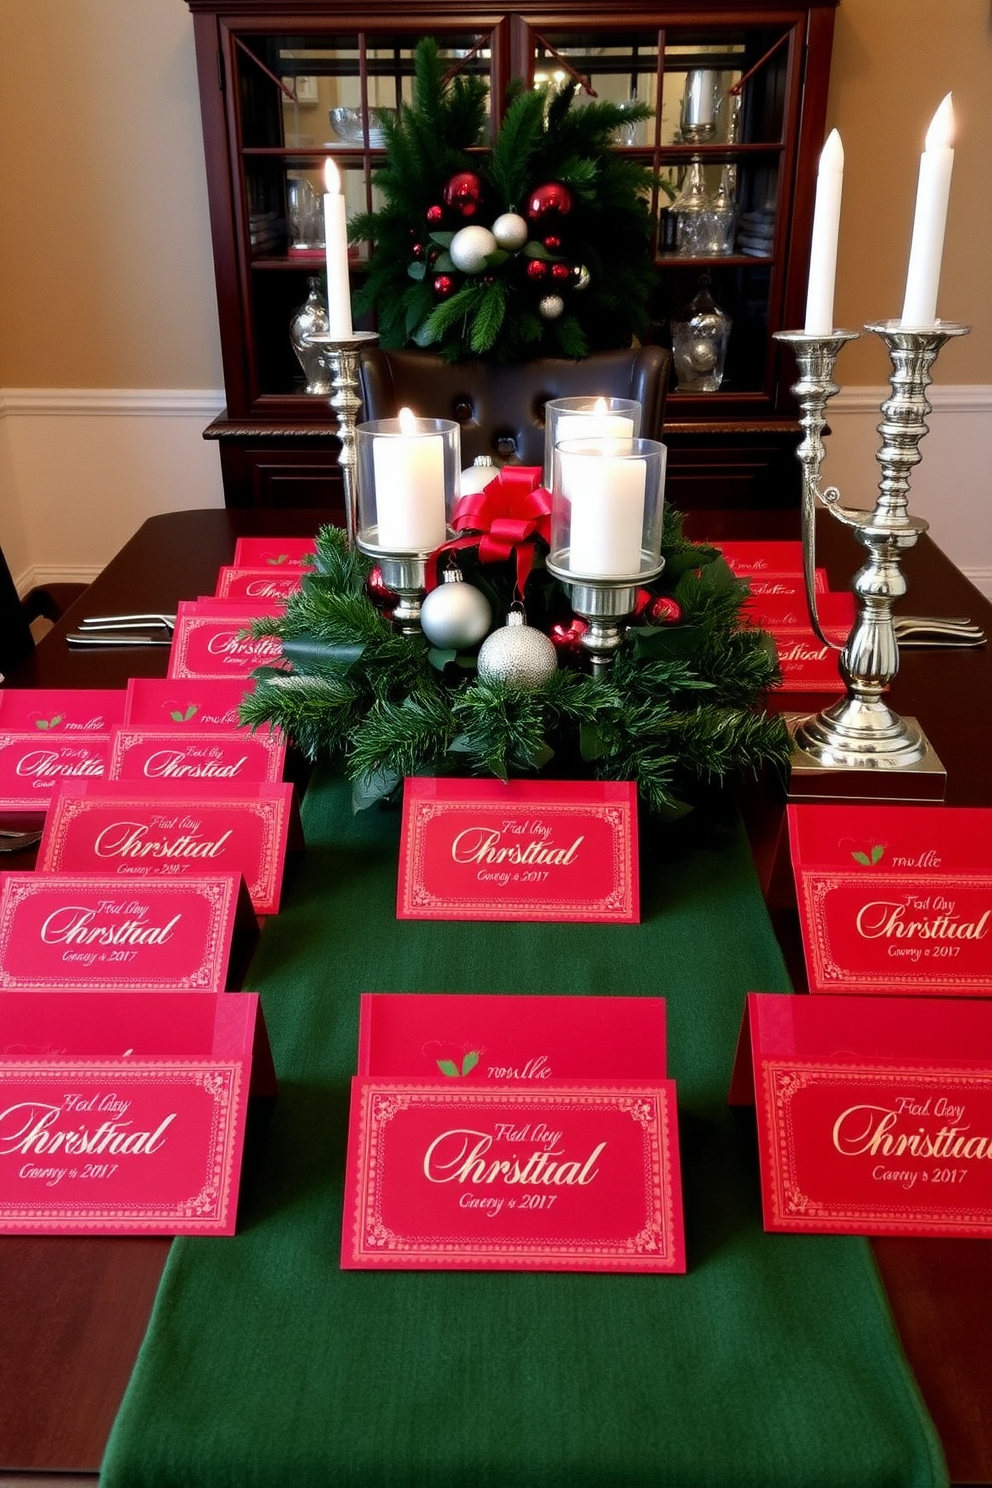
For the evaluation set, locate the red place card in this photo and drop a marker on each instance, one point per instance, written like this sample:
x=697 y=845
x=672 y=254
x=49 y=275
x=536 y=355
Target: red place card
x=114 y=827
x=138 y=753
x=121 y=1114
x=77 y=931
x=894 y=899
x=49 y=735
x=765 y=560
x=806 y=664
x=523 y=850
x=580 y=1177
x=788 y=612
x=262 y=584
x=213 y=640
x=488 y=1039
x=874 y=1115
x=195 y=703
x=275 y=552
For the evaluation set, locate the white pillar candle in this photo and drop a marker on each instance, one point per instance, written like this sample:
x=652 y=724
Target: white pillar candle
x=606 y=493
x=919 y=311
x=598 y=423
x=336 y=253
x=408 y=469
x=826 y=226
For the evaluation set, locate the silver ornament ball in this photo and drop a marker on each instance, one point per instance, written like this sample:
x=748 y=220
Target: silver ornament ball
x=470 y=247
x=583 y=278
x=551 y=307
x=517 y=655
x=455 y=614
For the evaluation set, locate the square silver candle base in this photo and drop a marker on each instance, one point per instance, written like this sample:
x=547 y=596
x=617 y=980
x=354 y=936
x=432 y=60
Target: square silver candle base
x=809 y=780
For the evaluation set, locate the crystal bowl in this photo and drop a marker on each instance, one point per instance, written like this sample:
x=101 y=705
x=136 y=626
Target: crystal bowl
x=347 y=125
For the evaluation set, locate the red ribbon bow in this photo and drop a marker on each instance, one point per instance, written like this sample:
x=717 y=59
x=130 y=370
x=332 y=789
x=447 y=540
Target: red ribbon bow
x=508 y=516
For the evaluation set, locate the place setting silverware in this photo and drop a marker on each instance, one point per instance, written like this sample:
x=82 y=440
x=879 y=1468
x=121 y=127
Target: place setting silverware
x=12 y=842
x=149 y=629
x=919 y=631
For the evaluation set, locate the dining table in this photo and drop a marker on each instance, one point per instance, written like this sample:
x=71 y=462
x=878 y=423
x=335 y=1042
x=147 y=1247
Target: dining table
x=74 y=1309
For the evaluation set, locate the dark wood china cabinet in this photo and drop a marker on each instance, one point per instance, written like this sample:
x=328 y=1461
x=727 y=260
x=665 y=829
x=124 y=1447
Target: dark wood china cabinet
x=282 y=86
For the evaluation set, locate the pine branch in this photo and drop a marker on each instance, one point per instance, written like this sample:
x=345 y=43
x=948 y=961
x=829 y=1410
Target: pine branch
x=401 y=738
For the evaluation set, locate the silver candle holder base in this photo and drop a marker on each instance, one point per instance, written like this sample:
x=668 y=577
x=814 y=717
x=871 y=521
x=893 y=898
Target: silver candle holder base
x=341 y=359
x=862 y=732
x=604 y=604
x=405 y=574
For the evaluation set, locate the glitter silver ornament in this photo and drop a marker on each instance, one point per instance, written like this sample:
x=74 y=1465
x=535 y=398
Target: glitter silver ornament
x=551 y=307
x=517 y=655
x=583 y=277
x=455 y=614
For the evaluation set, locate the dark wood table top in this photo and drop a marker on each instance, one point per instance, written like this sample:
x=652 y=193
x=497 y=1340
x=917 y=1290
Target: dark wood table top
x=73 y=1310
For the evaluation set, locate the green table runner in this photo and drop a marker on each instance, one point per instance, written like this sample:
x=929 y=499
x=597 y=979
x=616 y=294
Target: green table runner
x=774 y=1361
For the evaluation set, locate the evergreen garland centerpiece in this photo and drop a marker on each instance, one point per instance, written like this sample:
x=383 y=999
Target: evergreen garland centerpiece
x=536 y=246
x=676 y=712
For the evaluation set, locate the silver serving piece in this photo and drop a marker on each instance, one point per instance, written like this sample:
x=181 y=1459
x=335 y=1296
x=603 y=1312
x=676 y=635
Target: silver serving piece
x=861 y=731
x=406 y=575
x=341 y=359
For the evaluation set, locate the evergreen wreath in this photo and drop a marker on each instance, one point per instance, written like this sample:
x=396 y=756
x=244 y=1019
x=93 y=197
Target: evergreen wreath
x=676 y=711
x=539 y=246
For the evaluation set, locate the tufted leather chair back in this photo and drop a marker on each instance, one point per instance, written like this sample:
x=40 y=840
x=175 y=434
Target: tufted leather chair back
x=501 y=408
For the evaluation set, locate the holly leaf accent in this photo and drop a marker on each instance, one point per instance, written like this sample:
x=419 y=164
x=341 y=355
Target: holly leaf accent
x=177 y=716
x=470 y=1061
x=191 y=711
x=862 y=857
x=282 y=558
x=448 y=1067
x=877 y=851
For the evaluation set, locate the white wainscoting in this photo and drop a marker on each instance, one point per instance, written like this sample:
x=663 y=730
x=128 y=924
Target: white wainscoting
x=81 y=469
x=952 y=485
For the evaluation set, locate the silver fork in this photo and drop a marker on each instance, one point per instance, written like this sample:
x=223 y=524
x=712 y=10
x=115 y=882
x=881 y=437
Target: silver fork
x=127 y=622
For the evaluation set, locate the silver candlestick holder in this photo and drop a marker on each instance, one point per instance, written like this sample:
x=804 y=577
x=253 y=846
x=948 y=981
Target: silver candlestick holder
x=341 y=358
x=604 y=604
x=405 y=574
x=861 y=731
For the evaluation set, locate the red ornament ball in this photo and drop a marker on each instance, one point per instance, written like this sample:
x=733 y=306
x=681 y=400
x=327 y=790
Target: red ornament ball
x=665 y=611
x=550 y=200
x=552 y=242
x=381 y=597
x=561 y=273
x=444 y=286
x=435 y=216
x=641 y=601
x=567 y=639
x=537 y=271
x=463 y=194
x=417 y=250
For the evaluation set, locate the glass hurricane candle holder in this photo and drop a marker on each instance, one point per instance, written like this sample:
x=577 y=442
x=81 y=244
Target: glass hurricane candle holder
x=587 y=417
x=407 y=470
x=607 y=505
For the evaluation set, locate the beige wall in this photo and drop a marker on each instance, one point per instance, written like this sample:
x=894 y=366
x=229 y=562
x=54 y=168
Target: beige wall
x=893 y=61
x=107 y=276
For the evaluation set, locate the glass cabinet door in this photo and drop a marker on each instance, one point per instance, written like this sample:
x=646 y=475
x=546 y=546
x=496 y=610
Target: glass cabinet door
x=299 y=101
x=726 y=100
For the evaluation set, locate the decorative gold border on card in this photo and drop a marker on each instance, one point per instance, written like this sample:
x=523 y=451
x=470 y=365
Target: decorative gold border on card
x=129 y=737
x=187 y=627
x=417 y=902
x=206 y=1208
x=654 y=1247
x=40 y=801
x=792 y=1208
x=221 y=898
x=271 y=811
x=815 y=887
